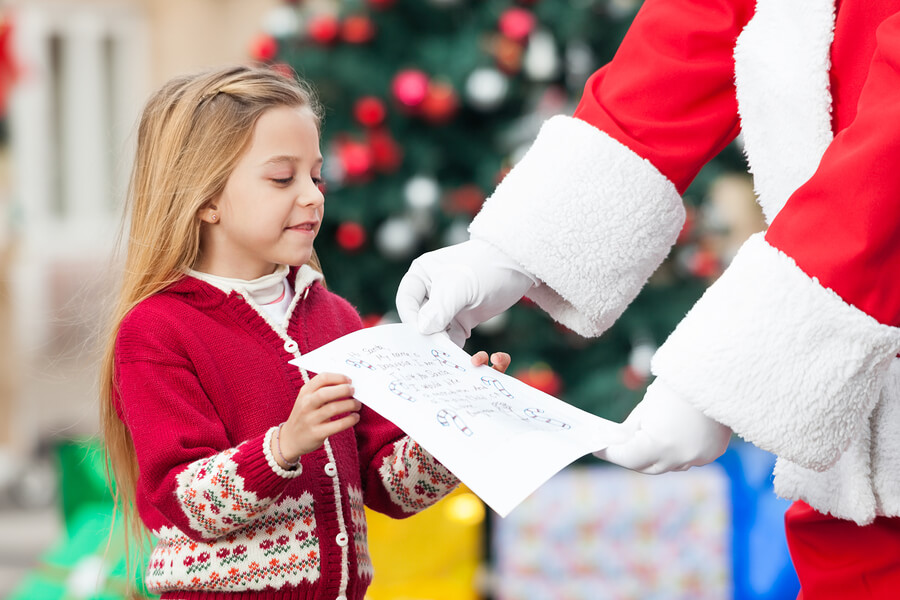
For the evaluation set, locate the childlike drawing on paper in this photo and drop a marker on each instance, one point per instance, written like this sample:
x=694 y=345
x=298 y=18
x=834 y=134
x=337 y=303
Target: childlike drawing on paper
x=360 y=364
x=445 y=416
x=506 y=409
x=397 y=388
x=444 y=359
x=538 y=415
x=495 y=383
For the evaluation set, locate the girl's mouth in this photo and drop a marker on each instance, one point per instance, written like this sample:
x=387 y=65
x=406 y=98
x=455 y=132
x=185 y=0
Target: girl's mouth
x=308 y=226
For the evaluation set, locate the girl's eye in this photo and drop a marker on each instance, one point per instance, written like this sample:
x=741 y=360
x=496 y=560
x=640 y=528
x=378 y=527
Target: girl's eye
x=284 y=181
x=320 y=183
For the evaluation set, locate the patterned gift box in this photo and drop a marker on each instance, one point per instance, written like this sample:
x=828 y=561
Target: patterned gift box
x=604 y=533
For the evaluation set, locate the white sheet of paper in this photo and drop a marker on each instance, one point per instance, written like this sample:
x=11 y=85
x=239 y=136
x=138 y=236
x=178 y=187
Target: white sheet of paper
x=499 y=436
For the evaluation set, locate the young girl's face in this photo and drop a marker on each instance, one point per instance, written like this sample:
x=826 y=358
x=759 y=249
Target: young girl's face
x=271 y=208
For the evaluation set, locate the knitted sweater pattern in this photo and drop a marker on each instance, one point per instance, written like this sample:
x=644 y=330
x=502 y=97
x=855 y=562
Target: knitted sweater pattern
x=202 y=384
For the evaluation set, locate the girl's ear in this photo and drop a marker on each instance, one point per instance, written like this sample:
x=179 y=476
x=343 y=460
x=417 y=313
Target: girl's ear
x=209 y=214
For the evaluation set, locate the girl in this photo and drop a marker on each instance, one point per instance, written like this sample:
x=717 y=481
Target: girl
x=251 y=474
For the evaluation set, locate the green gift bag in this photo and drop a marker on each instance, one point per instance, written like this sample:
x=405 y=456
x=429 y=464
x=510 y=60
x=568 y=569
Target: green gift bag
x=86 y=563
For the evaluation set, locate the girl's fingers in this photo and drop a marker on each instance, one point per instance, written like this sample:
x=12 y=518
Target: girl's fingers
x=307 y=428
x=480 y=358
x=338 y=407
x=324 y=380
x=327 y=394
x=500 y=361
x=329 y=428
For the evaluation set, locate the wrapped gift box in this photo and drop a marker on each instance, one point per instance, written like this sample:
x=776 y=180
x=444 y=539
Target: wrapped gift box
x=599 y=532
x=436 y=554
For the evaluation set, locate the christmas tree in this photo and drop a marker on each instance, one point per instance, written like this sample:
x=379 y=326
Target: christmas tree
x=427 y=103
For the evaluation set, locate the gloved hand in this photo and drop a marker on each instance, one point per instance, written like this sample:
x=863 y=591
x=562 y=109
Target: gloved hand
x=456 y=288
x=668 y=434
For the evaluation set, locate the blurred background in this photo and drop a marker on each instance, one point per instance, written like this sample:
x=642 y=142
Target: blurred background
x=427 y=104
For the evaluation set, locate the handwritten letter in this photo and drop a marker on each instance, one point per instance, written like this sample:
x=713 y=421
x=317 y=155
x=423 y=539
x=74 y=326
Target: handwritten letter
x=501 y=437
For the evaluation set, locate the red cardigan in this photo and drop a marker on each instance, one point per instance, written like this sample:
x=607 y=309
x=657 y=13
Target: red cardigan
x=203 y=380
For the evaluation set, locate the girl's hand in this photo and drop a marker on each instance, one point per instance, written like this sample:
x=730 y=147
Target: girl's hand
x=325 y=406
x=499 y=360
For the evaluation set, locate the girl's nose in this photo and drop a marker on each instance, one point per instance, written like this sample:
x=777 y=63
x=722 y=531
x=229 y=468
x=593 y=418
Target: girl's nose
x=311 y=195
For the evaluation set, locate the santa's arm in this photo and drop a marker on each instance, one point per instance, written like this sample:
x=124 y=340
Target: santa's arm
x=596 y=198
x=801 y=328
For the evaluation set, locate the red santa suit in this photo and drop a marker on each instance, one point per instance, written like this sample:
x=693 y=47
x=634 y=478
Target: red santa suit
x=794 y=346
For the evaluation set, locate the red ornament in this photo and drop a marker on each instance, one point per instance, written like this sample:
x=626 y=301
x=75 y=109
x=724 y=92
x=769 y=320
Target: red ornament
x=9 y=67
x=355 y=158
x=324 y=29
x=387 y=156
x=381 y=4
x=690 y=217
x=704 y=264
x=350 y=236
x=358 y=29
x=284 y=69
x=508 y=54
x=371 y=320
x=369 y=111
x=410 y=87
x=464 y=200
x=540 y=376
x=263 y=47
x=517 y=24
x=502 y=173
x=440 y=103
x=632 y=379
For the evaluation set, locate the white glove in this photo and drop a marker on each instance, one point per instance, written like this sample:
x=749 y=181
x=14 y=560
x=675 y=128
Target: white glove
x=668 y=434
x=456 y=288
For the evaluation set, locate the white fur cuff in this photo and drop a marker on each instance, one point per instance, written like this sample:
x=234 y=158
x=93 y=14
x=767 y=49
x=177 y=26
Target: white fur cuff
x=865 y=481
x=783 y=361
x=588 y=217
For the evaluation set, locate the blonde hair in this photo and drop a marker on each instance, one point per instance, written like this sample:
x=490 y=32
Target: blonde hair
x=191 y=134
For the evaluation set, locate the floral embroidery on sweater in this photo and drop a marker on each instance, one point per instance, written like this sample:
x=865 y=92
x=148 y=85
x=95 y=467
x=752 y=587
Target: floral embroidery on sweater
x=413 y=478
x=279 y=547
x=214 y=497
x=360 y=533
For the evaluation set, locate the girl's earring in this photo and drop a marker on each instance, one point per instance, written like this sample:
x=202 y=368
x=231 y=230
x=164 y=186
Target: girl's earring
x=213 y=218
